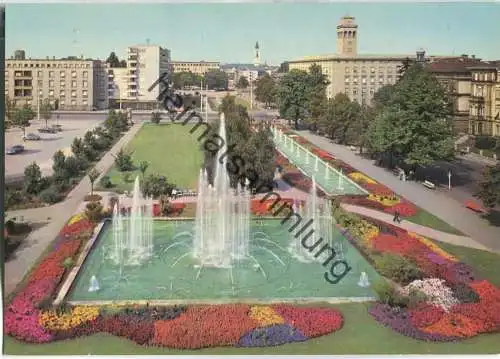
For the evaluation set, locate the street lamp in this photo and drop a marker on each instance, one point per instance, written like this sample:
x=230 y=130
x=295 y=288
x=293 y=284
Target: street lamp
x=251 y=90
x=449 y=180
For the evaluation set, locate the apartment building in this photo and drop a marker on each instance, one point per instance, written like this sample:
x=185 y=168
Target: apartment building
x=128 y=87
x=197 y=67
x=77 y=84
x=474 y=86
x=357 y=75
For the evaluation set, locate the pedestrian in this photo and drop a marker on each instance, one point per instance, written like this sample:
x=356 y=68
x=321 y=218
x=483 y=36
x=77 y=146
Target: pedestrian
x=396 y=217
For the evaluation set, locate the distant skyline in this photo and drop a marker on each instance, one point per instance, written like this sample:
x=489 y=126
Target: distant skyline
x=228 y=32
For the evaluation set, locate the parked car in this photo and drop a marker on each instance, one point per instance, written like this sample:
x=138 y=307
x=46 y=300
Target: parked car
x=31 y=137
x=47 y=130
x=58 y=128
x=14 y=150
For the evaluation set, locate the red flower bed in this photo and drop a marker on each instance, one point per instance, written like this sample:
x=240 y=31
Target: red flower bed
x=76 y=228
x=486 y=291
x=263 y=208
x=311 y=322
x=139 y=331
x=488 y=313
x=324 y=155
x=388 y=243
x=52 y=266
x=207 y=326
x=377 y=189
x=425 y=314
x=405 y=209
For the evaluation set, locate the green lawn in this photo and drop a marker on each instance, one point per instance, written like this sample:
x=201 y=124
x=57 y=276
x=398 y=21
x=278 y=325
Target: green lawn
x=360 y=334
x=427 y=219
x=170 y=150
x=243 y=102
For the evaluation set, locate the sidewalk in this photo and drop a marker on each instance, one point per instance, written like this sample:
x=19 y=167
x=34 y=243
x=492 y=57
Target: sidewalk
x=448 y=209
x=55 y=216
x=416 y=228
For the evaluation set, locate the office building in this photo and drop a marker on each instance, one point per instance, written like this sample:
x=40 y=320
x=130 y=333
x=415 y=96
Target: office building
x=77 y=84
x=357 y=75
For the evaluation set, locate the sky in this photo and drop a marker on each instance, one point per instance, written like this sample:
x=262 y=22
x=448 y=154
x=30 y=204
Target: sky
x=228 y=32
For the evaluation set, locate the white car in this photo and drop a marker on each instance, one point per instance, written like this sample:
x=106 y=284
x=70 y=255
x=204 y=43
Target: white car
x=31 y=137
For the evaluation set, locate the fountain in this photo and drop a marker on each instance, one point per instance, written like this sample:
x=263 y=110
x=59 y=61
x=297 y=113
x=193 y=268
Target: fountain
x=327 y=172
x=222 y=228
x=297 y=149
x=363 y=280
x=316 y=164
x=133 y=245
x=340 y=184
x=94 y=284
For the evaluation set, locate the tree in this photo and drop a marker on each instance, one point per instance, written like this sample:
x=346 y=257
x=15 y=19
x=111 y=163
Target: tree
x=265 y=89
x=22 y=116
x=405 y=65
x=46 y=111
x=489 y=192
x=242 y=83
x=382 y=97
x=10 y=107
x=415 y=125
x=317 y=83
x=184 y=78
x=78 y=147
x=293 y=95
x=32 y=179
x=93 y=176
x=216 y=79
x=143 y=167
x=113 y=60
x=340 y=118
x=59 y=165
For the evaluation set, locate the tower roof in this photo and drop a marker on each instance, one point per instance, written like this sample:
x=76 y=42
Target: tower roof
x=257 y=45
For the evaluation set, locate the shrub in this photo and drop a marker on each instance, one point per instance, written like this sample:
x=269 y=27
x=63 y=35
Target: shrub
x=123 y=161
x=397 y=268
x=126 y=177
x=105 y=182
x=68 y=263
x=51 y=195
x=485 y=142
x=93 y=211
x=387 y=294
x=155 y=185
x=10 y=226
x=13 y=198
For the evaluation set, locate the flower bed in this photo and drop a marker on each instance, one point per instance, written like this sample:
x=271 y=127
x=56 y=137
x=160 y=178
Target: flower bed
x=30 y=316
x=454 y=306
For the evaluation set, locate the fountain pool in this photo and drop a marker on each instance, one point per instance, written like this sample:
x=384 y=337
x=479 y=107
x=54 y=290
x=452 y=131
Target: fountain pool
x=174 y=274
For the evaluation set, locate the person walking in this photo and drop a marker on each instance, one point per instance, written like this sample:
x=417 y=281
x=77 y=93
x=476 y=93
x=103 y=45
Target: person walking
x=396 y=217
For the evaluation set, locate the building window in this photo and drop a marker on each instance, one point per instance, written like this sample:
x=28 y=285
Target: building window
x=73 y=93
x=354 y=91
x=63 y=73
x=363 y=80
x=51 y=74
x=372 y=70
x=40 y=73
x=363 y=90
x=372 y=80
x=354 y=70
x=62 y=93
x=347 y=69
x=85 y=102
x=73 y=102
x=355 y=80
x=51 y=92
x=381 y=80
x=84 y=93
x=85 y=84
x=347 y=80
x=73 y=74
x=85 y=74
x=73 y=83
x=372 y=91
x=389 y=70
x=51 y=83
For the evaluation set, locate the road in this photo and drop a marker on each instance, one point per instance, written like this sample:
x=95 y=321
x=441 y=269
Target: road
x=41 y=152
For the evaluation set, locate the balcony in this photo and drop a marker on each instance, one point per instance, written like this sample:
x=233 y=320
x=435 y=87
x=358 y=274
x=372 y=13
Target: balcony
x=477 y=99
x=132 y=75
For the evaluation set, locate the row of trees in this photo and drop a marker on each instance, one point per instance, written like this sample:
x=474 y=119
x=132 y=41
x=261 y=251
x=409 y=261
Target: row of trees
x=67 y=170
x=21 y=117
x=215 y=79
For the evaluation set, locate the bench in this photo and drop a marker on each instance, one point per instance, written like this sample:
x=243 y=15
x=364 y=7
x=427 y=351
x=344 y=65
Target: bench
x=429 y=185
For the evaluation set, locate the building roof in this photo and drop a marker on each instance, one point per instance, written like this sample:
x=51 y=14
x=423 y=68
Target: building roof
x=457 y=64
x=357 y=57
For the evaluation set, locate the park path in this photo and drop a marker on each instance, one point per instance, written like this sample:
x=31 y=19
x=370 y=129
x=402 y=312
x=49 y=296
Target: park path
x=54 y=218
x=415 y=228
x=437 y=203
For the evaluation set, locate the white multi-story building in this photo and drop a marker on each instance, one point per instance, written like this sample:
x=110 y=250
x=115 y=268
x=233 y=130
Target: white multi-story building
x=130 y=85
x=74 y=84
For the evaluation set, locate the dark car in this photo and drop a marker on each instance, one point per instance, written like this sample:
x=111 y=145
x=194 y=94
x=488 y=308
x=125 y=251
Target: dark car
x=14 y=150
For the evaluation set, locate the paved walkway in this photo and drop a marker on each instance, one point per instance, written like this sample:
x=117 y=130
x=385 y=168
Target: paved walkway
x=415 y=228
x=434 y=202
x=55 y=217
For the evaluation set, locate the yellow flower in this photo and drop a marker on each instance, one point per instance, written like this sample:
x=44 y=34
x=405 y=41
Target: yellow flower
x=361 y=177
x=386 y=201
x=78 y=315
x=265 y=316
x=433 y=247
x=76 y=218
